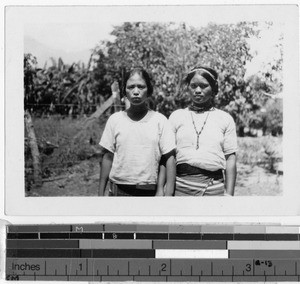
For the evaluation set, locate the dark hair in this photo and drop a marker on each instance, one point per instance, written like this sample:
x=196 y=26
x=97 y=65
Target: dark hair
x=208 y=73
x=144 y=74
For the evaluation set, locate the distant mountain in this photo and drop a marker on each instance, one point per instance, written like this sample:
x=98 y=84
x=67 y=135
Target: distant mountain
x=43 y=53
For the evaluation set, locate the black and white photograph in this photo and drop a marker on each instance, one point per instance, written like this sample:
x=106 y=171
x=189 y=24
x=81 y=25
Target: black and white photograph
x=163 y=102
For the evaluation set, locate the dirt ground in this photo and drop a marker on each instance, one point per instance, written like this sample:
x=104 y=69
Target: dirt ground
x=83 y=180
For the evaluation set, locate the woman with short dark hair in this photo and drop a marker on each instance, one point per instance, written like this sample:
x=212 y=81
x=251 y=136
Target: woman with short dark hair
x=134 y=142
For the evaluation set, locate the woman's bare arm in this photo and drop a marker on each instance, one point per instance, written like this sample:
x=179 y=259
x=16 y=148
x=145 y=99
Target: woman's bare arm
x=167 y=175
x=104 y=172
x=230 y=173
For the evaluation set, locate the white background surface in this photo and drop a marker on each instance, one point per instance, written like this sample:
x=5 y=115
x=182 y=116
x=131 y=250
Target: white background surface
x=16 y=209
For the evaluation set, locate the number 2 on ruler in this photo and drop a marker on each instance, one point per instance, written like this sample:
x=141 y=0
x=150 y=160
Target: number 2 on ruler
x=163 y=267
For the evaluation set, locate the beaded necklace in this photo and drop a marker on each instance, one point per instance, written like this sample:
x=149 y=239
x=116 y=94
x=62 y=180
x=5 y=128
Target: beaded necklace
x=198 y=132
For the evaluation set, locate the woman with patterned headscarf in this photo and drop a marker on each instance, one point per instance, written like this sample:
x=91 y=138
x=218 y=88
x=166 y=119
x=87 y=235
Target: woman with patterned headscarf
x=206 y=141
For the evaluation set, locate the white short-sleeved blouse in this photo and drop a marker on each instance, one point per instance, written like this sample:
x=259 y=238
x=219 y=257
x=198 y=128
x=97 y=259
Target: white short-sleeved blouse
x=137 y=146
x=217 y=139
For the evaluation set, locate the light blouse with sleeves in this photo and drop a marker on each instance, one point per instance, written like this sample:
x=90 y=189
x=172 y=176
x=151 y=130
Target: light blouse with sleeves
x=217 y=139
x=137 y=146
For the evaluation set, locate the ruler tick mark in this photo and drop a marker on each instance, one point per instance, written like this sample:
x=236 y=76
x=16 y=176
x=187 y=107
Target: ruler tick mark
x=87 y=265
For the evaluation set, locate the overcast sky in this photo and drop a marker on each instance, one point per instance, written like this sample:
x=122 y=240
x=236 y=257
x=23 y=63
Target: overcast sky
x=73 y=29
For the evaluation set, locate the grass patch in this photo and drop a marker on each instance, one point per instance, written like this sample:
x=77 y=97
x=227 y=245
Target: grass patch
x=263 y=151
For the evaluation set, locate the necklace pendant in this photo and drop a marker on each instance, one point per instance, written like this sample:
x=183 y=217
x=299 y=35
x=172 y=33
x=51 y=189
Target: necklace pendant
x=198 y=132
x=197 y=145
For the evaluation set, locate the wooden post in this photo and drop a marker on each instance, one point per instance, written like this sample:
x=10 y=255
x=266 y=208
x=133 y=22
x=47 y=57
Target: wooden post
x=37 y=176
x=116 y=95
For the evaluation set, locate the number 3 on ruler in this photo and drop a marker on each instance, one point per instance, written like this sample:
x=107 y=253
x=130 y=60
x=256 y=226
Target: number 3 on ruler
x=248 y=267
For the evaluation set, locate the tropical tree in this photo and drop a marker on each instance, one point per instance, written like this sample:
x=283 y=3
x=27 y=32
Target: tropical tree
x=64 y=89
x=168 y=50
x=29 y=64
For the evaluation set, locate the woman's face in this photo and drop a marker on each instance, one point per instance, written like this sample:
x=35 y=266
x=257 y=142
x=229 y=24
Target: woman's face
x=136 y=90
x=200 y=90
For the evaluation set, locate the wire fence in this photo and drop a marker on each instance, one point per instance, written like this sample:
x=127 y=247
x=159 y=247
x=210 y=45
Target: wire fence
x=51 y=104
x=64 y=143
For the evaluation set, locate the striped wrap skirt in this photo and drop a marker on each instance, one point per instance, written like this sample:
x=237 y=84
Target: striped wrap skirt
x=193 y=181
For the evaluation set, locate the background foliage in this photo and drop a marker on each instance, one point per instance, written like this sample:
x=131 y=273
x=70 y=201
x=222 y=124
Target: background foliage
x=167 y=51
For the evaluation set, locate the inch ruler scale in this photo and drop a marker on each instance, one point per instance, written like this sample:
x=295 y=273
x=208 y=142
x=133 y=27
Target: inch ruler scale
x=163 y=253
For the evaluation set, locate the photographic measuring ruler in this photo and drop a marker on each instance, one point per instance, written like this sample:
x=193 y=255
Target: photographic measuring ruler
x=157 y=253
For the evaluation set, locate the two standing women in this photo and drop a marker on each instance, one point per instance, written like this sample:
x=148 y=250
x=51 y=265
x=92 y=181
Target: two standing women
x=139 y=143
